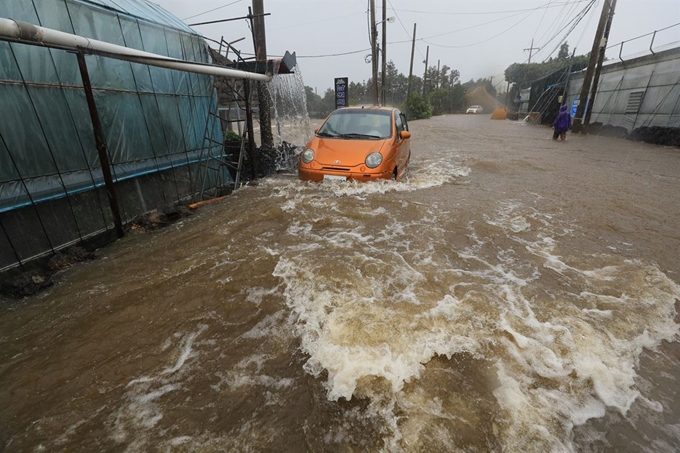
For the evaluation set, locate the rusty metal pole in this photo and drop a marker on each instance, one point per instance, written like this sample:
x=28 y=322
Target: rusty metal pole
x=263 y=98
x=100 y=141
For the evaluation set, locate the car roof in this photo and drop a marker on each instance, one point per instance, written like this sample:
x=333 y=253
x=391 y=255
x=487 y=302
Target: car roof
x=370 y=107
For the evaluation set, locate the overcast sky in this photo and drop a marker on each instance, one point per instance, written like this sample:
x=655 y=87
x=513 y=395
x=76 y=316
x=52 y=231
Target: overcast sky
x=480 y=38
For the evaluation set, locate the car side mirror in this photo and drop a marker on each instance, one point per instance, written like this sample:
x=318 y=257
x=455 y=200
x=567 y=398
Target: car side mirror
x=404 y=135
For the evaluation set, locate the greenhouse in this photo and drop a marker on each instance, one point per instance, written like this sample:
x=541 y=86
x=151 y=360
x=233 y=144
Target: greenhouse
x=158 y=124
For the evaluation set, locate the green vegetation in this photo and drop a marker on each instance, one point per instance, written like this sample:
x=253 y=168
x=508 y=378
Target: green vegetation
x=441 y=92
x=522 y=74
x=231 y=136
x=418 y=107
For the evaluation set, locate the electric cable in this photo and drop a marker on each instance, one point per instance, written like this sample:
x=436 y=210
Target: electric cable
x=576 y=20
x=541 y=21
x=554 y=22
x=486 y=40
x=211 y=10
x=405 y=30
x=440 y=13
x=564 y=19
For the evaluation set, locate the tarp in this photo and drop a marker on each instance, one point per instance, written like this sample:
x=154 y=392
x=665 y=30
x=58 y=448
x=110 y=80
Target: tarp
x=153 y=118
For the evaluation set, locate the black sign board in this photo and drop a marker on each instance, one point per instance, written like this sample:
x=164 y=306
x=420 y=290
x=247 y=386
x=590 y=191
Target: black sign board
x=341 y=92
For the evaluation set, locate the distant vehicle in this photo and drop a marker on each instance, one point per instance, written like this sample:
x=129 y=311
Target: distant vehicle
x=474 y=109
x=358 y=144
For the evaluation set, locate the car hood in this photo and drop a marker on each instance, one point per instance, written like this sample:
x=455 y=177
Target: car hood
x=344 y=152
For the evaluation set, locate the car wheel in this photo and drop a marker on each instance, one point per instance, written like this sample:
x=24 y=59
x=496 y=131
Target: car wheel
x=394 y=174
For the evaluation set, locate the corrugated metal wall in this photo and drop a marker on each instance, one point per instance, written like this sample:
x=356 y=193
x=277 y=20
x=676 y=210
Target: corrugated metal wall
x=644 y=91
x=155 y=121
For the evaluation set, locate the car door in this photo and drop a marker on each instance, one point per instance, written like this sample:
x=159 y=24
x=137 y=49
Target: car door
x=404 y=145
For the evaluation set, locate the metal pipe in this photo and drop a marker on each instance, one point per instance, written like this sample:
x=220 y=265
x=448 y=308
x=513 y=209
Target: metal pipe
x=27 y=33
x=651 y=44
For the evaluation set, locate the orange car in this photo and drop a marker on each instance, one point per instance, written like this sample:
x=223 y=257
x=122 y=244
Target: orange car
x=358 y=144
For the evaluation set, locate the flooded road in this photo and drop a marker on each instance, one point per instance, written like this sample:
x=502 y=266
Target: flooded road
x=511 y=294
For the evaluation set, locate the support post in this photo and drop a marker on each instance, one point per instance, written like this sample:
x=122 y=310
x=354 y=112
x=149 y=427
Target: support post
x=566 y=82
x=374 y=54
x=100 y=141
x=410 y=71
x=598 y=70
x=427 y=61
x=249 y=126
x=531 y=50
x=587 y=80
x=260 y=37
x=383 y=89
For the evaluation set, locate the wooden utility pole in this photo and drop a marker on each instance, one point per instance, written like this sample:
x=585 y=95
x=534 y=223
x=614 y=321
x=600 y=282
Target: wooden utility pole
x=594 y=54
x=384 y=51
x=598 y=70
x=439 y=77
x=427 y=61
x=410 y=71
x=374 y=54
x=531 y=50
x=260 y=38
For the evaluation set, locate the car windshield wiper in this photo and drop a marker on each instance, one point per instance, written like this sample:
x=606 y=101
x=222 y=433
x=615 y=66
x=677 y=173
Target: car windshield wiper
x=355 y=135
x=325 y=134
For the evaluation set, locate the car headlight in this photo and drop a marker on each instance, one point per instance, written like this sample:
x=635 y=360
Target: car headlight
x=373 y=160
x=307 y=156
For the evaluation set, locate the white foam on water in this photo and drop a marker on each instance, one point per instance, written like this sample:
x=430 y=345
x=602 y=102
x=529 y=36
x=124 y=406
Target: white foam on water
x=249 y=373
x=430 y=175
x=142 y=405
x=564 y=334
x=267 y=327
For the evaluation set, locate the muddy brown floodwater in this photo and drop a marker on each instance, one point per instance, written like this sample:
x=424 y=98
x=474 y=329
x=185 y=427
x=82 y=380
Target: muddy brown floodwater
x=511 y=294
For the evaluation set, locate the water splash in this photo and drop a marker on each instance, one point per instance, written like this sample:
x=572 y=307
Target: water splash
x=290 y=119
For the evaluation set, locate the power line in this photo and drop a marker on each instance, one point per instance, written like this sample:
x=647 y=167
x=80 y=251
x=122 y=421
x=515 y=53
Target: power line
x=476 y=26
x=585 y=27
x=333 y=54
x=335 y=18
x=540 y=22
x=579 y=17
x=211 y=10
x=440 y=13
x=554 y=22
x=486 y=40
x=564 y=20
x=402 y=26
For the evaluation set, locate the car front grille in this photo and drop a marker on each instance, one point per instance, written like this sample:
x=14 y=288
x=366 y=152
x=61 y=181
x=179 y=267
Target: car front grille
x=335 y=168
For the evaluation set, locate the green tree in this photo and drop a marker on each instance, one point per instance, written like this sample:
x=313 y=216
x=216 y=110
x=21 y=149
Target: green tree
x=313 y=103
x=327 y=104
x=417 y=107
x=563 y=54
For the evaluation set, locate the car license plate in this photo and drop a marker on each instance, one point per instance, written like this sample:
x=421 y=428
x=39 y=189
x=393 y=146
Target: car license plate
x=334 y=178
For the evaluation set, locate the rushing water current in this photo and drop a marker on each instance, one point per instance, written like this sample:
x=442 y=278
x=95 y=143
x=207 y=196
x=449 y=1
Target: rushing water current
x=510 y=294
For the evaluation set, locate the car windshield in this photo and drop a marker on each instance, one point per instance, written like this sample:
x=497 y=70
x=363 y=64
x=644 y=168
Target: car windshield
x=358 y=124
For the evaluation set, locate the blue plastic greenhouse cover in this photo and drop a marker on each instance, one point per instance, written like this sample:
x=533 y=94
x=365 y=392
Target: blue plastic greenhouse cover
x=145 y=10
